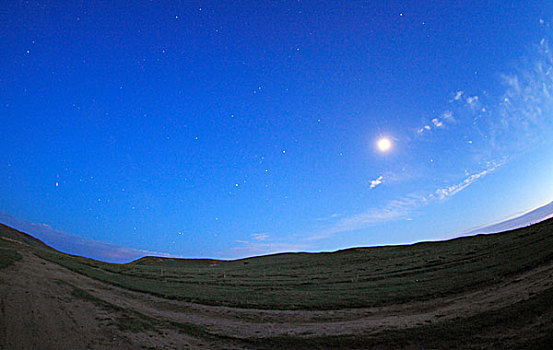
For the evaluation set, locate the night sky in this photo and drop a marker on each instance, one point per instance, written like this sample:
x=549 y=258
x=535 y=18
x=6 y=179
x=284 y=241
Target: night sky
x=231 y=129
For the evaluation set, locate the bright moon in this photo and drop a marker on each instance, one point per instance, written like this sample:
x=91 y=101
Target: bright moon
x=384 y=144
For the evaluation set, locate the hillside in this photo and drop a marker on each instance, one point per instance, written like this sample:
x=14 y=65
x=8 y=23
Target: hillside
x=490 y=291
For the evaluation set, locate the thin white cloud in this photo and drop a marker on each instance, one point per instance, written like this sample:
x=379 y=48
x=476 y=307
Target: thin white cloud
x=511 y=123
x=452 y=190
x=330 y=217
x=77 y=245
x=473 y=102
x=523 y=116
x=424 y=128
x=399 y=208
x=437 y=123
x=448 y=117
x=249 y=249
x=376 y=182
x=393 y=210
x=260 y=236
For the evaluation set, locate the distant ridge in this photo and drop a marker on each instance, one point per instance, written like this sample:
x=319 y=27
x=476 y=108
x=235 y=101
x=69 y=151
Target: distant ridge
x=70 y=243
x=46 y=236
x=529 y=218
x=478 y=292
x=19 y=236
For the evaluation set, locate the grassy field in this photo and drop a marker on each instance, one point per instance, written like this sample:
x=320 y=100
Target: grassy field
x=365 y=277
x=8 y=257
x=353 y=278
x=499 y=329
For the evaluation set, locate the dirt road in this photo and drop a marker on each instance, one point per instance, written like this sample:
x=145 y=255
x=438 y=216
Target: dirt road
x=46 y=306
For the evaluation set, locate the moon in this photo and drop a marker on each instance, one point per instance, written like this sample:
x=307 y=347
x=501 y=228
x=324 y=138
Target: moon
x=384 y=144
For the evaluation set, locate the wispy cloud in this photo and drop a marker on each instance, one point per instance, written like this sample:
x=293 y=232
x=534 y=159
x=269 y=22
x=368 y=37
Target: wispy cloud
x=249 y=249
x=393 y=210
x=525 y=112
x=518 y=119
x=508 y=123
x=458 y=95
x=329 y=217
x=260 y=236
x=448 y=116
x=399 y=208
x=77 y=245
x=424 y=129
x=452 y=190
x=438 y=122
x=376 y=182
x=473 y=102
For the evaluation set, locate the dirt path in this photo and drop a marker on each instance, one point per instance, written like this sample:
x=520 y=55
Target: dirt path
x=38 y=304
x=38 y=310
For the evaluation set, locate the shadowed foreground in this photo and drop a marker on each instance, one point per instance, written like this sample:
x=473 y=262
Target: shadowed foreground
x=487 y=291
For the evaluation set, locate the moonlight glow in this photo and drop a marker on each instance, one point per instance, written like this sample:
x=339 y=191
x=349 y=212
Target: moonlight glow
x=384 y=144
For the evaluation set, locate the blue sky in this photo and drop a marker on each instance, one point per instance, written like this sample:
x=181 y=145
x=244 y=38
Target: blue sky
x=223 y=129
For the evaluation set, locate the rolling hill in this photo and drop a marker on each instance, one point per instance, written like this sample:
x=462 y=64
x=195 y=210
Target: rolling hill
x=486 y=291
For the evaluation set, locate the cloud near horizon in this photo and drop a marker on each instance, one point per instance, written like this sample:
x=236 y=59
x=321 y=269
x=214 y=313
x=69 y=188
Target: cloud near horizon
x=77 y=245
x=400 y=208
x=445 y=192
x=248 y=249
x=260 y=236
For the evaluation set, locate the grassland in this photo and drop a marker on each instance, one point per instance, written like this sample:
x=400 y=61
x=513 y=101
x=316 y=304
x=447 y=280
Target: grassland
x=8 y=257
x=363 y=277
x=492 y=291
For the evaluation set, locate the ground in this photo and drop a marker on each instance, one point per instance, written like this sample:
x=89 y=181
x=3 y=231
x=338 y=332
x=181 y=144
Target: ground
x=48 y=304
